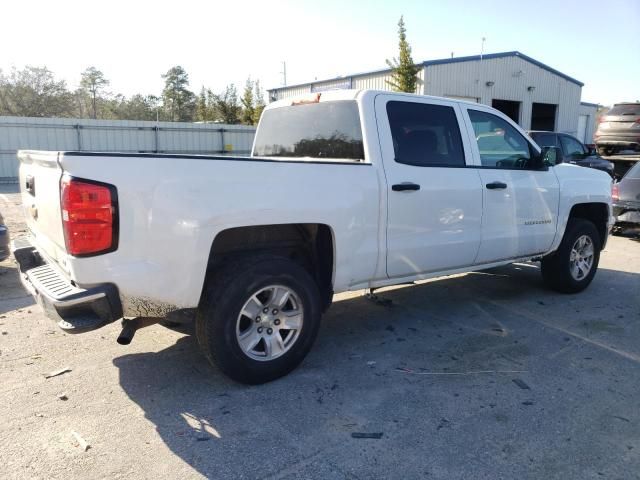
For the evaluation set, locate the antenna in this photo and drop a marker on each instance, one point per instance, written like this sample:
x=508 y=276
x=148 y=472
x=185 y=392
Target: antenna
x=284 y=73
x=482 y=48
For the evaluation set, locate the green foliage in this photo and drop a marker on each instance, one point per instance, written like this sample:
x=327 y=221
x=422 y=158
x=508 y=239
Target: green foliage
x=34 y=92
x=179 y=102
x=248 y=103
x=226 y=106
x=93 y=82
x=138 y=107
x=258 y=99
x=404 y=76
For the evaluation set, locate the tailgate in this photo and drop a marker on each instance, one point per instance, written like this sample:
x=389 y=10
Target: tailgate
x=40 y=175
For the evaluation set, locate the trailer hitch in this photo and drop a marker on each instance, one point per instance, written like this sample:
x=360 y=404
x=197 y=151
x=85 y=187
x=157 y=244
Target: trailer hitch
x=130 y=327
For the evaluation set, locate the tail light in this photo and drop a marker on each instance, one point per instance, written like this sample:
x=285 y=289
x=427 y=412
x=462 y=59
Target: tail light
x=89 y=216
x=615 y=192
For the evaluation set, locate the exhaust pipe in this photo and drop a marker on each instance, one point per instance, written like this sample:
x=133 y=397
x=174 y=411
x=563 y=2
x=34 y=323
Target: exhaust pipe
x=130 y=327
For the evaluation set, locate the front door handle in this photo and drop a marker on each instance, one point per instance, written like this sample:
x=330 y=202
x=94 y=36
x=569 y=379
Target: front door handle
x=496 y=185
x=405 y=187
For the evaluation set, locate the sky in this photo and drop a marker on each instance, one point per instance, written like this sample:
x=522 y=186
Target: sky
x=220 y=42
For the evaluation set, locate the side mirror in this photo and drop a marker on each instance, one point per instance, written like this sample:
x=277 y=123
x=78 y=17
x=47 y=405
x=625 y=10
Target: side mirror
x=551 y=156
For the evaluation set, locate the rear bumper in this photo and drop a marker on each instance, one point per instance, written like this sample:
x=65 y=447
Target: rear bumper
x=626 y=212
x=75 y=309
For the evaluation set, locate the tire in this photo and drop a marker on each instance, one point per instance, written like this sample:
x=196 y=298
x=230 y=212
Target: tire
x=557 y=267
x=250 y=284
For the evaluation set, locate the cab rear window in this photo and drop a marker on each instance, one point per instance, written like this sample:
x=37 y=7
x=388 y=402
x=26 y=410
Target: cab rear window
x=329 y=130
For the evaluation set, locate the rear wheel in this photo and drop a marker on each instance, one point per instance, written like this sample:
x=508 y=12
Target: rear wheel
x=258 y=318
x=572 y=267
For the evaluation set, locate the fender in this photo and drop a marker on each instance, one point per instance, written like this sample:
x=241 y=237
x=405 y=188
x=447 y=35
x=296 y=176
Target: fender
x=579 y=185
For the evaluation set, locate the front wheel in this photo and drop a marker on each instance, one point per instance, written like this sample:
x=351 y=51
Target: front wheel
x=572 y=267
x=258 y=318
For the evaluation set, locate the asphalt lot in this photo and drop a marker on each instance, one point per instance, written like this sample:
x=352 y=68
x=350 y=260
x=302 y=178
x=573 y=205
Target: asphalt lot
x=484 y=375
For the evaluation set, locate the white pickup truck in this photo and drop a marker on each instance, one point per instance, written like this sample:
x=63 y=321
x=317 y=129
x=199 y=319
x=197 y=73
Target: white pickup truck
x=344 y=190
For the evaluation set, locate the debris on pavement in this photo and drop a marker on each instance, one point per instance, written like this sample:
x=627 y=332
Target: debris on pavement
x=521 y=384
x=57 y=372
x=443 y=423
x=621 y=418
x=84 y=445
x=63 y=396
x=374 y=435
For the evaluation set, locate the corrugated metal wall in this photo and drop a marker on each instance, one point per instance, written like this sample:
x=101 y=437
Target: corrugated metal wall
x=18 y=133
x=288 y=92
x=378 y=81
x=511 y=77
x=369 y=81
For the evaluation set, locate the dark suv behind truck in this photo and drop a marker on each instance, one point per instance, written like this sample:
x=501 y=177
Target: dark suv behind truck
x=619 y=129
x=573 y=151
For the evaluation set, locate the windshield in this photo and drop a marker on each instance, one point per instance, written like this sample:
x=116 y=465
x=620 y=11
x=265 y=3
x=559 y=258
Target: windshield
x=328 y=130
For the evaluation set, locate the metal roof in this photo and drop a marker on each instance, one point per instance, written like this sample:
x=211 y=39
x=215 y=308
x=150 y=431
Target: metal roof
x=444 y=61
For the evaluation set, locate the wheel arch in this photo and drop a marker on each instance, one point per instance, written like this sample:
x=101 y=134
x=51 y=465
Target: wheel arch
x=595 y=212
x=311 y=245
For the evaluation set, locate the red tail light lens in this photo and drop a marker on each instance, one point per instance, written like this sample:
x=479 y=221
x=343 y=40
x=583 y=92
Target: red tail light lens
x=615 y=192
x=88 y=216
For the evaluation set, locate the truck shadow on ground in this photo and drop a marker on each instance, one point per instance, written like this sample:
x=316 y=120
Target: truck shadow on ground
x=364 y=374
x=12 y=294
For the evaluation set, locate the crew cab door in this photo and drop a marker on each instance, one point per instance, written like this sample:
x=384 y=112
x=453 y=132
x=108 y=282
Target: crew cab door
x=434 y=202
x=520 y=195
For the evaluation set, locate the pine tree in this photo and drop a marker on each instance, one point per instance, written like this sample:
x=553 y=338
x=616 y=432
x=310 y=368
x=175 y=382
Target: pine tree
x=247 y=101
x=93 y=81
x=404 y=75
x=179 y=102
x=258 y=99
x=202 y=109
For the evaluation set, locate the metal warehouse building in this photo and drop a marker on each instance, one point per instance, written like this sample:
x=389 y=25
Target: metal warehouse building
x=533 y=94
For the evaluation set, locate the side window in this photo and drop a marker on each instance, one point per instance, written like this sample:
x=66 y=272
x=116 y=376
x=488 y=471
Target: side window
x=500 y=145
x=425 y=135
x=571 y=147
x=545 y=139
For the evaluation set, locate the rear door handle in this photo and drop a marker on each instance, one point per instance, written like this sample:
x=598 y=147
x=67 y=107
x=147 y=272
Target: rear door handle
x=496 y=185
x=405 y=187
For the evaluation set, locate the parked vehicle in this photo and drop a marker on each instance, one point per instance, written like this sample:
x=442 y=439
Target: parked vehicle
x=573 y=150
x=4 y=239
x=345 y=190
x=619 y=129
x=626 y=197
